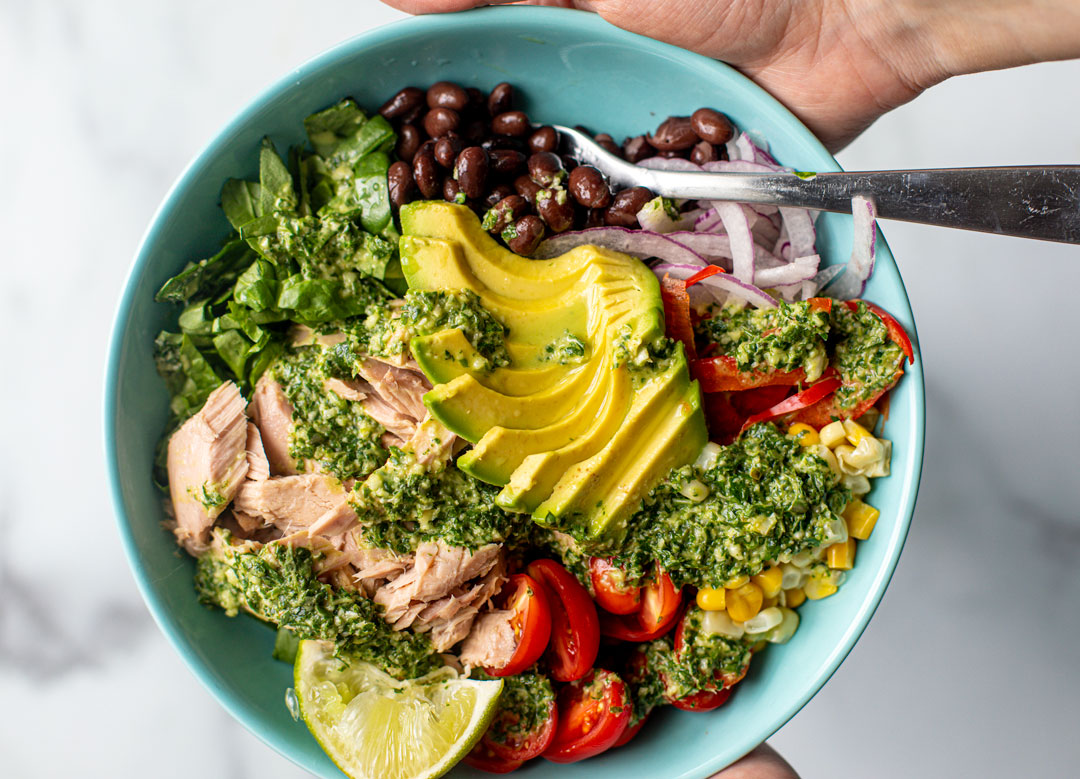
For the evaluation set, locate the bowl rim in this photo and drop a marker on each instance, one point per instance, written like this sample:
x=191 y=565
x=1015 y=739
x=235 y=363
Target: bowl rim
x=403 y=29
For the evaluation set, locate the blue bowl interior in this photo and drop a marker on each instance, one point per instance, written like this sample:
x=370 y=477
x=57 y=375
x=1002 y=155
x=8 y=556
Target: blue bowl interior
x=571 y=68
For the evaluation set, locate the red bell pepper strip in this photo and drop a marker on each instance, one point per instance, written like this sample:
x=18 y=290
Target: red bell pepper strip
x=808 y=397
x=722 y=374
x=677 y=313
x=896 y=331
x=704 y=273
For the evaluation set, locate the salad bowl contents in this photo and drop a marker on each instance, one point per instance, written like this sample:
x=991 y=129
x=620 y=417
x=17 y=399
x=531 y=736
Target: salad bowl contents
x=535 y=498
x=520 y=467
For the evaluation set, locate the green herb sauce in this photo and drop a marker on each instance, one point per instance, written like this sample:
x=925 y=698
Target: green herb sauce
x=524 y=707
x=866 y=357
x=404 y=503
x=327 y=428
x=784 y=338
x=768 y=498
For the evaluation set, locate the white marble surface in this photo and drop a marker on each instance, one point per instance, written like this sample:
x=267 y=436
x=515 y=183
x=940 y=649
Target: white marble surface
x=970 y=666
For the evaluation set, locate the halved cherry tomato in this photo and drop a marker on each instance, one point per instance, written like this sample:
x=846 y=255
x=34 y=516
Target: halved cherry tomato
x=630 y=732
x=808 y=397
x=531 y=621
x=896 y=331
x=705 y=700
x=701 y=275
x=519 y=747
x=484 y=759
x=820 y=304
x=661 y=607
x=610 y=590
x=721 y=681
x=677 y=313
x=575 y=627
x=593 y=715
x=660 y=603
x=722 y=374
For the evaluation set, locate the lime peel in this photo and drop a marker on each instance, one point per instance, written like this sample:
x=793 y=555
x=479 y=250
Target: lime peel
x=374 y=726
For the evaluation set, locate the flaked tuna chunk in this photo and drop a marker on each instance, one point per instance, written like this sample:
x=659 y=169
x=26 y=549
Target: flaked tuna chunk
x=446 y=633
x=449 y=619
x=349 y=389
x=291 y=503
x=432 y=442
x=491 y=641
x=437 y=571
x=258 y=465
x=402 y=388
x=272 y=412
x=334 y=522
x=302 y=335
x=206 y=465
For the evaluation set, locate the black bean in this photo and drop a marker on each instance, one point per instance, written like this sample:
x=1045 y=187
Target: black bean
x=439 y=121
x=623 y=209
x=506 y=161
x=503 y=213
x=451 y=190
x=402 y=103
x=607 y=143
x=673 y=134
x=556 y=209
x=527 y=188
x=426 y=170
x=525 y=234
x=501 y=99
x=637 y=149
x=588 y=187
x=594 y=218
x=544 y=139
x=514 y=123
x=703 y=152
x=471 y=171
x=475 y=131
x=409 y=140
x=497 y=194
x=546 y=168
x=447 y=149
x=400 y=182
x=447 y=94
x=503 y=142
x=477 y=101
x=711 y=126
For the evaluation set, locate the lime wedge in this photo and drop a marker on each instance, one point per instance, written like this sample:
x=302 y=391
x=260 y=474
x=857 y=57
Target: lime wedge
x=376 y=727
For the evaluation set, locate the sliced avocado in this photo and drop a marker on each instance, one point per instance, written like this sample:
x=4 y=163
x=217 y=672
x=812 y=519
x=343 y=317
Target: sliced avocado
x=582 y=443
x=470 y=409
x=447 y=354
x=600 y=492
x=533 y=480
x=498 y=455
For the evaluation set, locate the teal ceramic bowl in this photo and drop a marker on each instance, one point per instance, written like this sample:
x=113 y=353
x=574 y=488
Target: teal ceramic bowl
x=571 y=68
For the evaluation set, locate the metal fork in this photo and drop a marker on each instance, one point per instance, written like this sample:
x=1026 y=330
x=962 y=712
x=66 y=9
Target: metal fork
x=1028 y=202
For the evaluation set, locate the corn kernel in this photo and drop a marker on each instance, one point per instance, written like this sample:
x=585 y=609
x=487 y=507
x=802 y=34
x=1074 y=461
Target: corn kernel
x=768 y=603
x=709 y=599
x=769 y=581
x=744 y=602
x=794 y=598
x=854 y=432
x=841 y=555
x=737 y=582
x=804 y=434
x=861 y=518
x=816 y=588
x=833 y=434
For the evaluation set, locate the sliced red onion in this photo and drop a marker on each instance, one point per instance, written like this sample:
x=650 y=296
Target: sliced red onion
x=637 y=243
x=800 y=230
x=718 y=287
x=858 y=269
x=742 y=243
x=795 y=272
x=708 y=221
x=714 y=245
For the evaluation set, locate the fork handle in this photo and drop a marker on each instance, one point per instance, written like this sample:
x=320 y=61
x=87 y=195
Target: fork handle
x=1029 y=202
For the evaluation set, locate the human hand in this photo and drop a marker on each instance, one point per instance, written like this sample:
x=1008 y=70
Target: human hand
x=762 y=763
x=840 y=64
